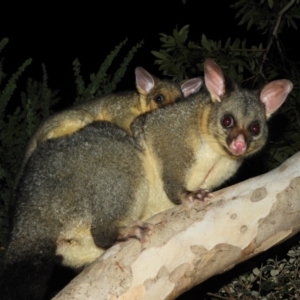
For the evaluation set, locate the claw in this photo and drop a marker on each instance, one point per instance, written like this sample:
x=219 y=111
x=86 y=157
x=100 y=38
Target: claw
x=138 y=229
x=198 y=196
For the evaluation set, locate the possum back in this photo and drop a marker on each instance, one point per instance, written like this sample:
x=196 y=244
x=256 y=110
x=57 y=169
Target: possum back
x=71 y=178
x=90 y=179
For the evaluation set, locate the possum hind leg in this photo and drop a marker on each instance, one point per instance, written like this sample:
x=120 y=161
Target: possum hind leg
x=120 y=205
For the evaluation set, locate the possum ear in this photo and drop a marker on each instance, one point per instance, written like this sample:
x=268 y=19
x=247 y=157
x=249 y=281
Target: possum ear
x=274 y=94
x=191 y=86
x=214 y=80
x=144 y=81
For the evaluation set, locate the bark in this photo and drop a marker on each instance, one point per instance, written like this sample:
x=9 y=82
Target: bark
x=187 y=245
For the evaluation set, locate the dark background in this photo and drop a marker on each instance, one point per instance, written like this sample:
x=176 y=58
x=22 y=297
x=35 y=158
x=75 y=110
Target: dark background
x=56 y=34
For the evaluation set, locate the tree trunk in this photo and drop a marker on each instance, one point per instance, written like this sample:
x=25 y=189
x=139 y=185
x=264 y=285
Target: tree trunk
x=187 y=245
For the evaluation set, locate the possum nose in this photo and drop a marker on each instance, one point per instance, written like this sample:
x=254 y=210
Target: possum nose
x=238 y=145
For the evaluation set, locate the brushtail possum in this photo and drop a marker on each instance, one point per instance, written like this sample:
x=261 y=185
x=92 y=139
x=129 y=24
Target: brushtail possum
x=223 y=126
x=80 y=194
x=119 y=108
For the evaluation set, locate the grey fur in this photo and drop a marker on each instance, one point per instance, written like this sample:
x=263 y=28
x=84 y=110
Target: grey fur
x=100 y=176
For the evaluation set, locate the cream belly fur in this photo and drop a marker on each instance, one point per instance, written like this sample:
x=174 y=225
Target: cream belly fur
x=77 y=247
x=210 y=169
x=76 y=244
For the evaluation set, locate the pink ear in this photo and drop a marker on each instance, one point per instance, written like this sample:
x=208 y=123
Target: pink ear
x=191 y=86
x=214 y=79
x=274 y=94
x=143 y=80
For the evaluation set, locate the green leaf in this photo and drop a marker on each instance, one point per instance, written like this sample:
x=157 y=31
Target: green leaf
x=294 y=25
x=159 y=55
x=3 y=43
x=176 y=35
x=249 y=23
x=270 y=3
x=274 y=272
x=236 y=44
x=184 y=29
x=10 y=87
x=256 y=271
x=205 y=43
x=227 y=45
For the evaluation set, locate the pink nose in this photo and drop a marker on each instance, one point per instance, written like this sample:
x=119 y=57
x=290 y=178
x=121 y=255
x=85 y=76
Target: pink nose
x=238 y=145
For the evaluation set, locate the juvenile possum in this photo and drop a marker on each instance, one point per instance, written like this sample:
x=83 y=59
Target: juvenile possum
x=119 y=108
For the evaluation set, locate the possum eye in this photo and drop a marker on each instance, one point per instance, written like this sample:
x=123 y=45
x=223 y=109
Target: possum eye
x=159 y=98
x=254 y=128
x=227 y=121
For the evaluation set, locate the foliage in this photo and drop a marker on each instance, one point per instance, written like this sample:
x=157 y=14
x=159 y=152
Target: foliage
x=277 y=279
x=103 y=82
x=182 y=61
x=7 y=137
x=265 y=17
x=22 y=111
x=249 y=65
x=17 y=123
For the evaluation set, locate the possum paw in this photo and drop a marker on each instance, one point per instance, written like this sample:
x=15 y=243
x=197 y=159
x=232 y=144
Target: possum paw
x=198 y=196
x=138 y=230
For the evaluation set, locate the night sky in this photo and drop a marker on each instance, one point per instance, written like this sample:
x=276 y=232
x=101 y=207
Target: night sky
x=56 y=35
